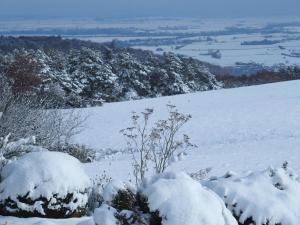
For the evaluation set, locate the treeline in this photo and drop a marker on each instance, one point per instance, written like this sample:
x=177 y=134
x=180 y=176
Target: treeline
x=261 y=77
x=46 y=43
x=75 y=73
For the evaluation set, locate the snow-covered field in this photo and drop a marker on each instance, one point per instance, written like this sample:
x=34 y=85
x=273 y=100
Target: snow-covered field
x=208 y=35
x=189 y=36
x=233 y=52
x=225 y=36
x=240 y=129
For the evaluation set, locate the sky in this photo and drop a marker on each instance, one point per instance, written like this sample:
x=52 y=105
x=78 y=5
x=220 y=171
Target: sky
x=146 y=8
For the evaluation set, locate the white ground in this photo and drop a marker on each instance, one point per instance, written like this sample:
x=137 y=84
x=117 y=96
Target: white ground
x=230 y=45
x=232 y=51
x=240 y=129
x=39 y=221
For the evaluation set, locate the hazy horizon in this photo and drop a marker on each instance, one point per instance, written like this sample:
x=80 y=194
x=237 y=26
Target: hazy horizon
x=114 y=9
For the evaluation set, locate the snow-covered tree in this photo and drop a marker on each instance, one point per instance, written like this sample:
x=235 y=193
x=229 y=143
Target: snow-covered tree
x=89 y=74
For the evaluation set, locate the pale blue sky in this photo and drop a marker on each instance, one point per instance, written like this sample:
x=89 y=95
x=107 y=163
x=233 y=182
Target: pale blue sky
x=145 y=8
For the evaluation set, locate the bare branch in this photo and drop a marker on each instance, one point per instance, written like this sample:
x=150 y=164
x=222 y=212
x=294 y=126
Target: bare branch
x=159 y=144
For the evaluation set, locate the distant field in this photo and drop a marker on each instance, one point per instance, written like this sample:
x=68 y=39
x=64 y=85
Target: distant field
x=224 y=42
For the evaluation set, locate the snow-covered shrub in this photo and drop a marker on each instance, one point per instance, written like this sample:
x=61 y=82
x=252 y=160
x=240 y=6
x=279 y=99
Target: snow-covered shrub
x=44 y=184
x=13 y=149
x=119 y=195
x=58 y=127
x=181 y=200
x=127 y=206
x=124 y=199
x=167 y=199
x=81 y=152
x=200 y=174
x=24 y=114
x=105 y=215
x=269 y=197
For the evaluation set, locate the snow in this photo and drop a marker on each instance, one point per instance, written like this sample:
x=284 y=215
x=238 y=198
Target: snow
x=231 y=128
x=44 y=174
x=232 y=51
x=111 y=189
x=206 y=33
x=105 y=215
x=268 y=197
x=41 y=221
x=21 y=146
x=238 y=129
x=181 y=200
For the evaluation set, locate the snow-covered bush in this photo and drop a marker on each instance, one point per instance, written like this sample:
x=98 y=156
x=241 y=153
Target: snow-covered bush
x=44 y=184
x=105 y=215
x=13 y=149
x=200 y=174
x=269 y=197
x=23 y=114
x=81 y=152
x=167 y=199
x=181 y=200
x=123 y=205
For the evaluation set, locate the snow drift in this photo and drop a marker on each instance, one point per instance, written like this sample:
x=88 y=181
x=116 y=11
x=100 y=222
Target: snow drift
x=167 y=199
x=105 y=215
x=267 y=197
x=182 y=201
x=45 y=184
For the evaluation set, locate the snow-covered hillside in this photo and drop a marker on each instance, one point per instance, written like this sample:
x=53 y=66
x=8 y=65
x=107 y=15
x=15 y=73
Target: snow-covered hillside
x=239 y=129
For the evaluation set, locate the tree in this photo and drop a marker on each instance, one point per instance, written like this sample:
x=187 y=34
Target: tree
x=23 y=109
x=5 y=93
x=24 y=71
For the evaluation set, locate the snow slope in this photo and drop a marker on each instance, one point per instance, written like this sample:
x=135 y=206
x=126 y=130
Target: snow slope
x=239 y=129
